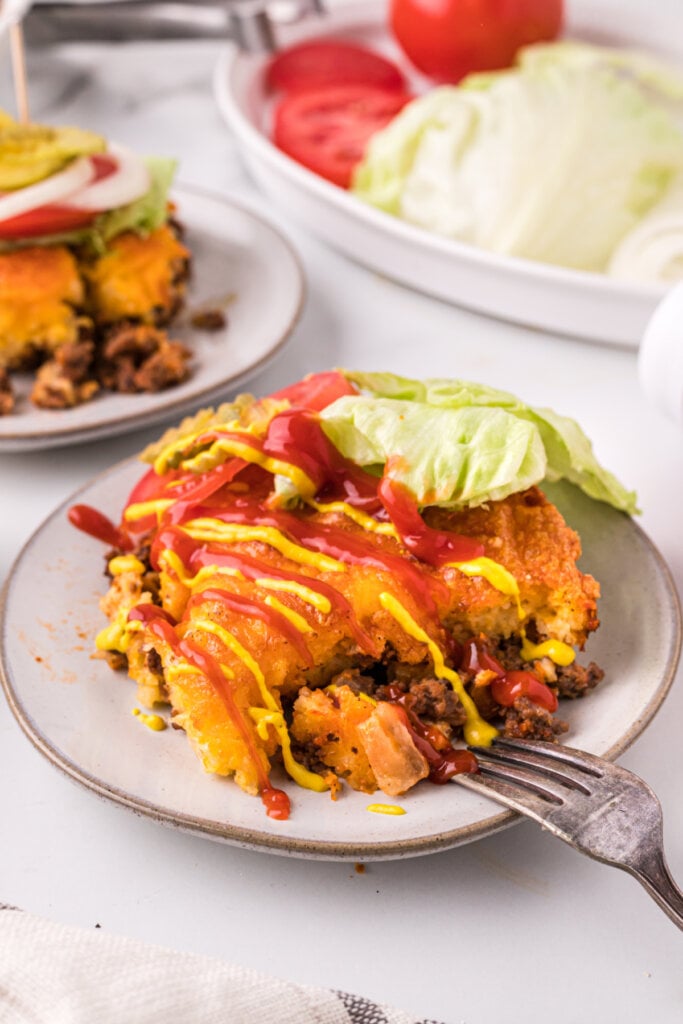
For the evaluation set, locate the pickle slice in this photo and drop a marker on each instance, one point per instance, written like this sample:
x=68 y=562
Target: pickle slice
x=31 y=152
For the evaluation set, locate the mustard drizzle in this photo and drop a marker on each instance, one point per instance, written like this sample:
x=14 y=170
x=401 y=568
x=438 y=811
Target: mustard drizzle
x=362 y=519
x=125 y=563
x=385 y=809
x=477 y=732
x=503 y=581
x=306 y=594
x=236 y=533
x=298 y=621
x=271 y=714
x=154 y=722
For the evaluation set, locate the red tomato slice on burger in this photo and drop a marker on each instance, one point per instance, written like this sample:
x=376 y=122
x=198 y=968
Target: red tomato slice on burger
x=105 y=165
x=50 y=219
x=447 y=39
x=319 y=63
x=55 y=218
x=327 y=130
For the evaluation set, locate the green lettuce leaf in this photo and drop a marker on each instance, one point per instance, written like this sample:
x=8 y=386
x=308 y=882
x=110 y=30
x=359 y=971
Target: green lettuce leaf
x=149 y=211
x=458 y=444
x=554 y=160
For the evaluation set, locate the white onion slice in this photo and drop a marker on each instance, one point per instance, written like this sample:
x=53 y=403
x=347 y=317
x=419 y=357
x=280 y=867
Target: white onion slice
x=652 y=251
x=54 y=189
x=128 y=182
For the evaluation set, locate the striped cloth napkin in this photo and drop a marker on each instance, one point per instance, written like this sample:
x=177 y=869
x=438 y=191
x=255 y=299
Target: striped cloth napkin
x=58 y=974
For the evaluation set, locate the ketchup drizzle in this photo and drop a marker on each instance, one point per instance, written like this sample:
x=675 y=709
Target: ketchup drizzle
x=296 y=436
x=96 y=524
x=506 y=686
x=435 y=547
x=443 y=764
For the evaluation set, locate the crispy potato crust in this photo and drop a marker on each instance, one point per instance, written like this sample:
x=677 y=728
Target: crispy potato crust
x=41 y=294
x=138 y=278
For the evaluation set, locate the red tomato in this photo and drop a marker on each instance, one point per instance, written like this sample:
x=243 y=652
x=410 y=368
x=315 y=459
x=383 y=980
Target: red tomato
x=50 y=219
x=104 y=164
x=327 y=130
x=53 y=218
x=317 y=390
x=319 y=63
x=446 y=39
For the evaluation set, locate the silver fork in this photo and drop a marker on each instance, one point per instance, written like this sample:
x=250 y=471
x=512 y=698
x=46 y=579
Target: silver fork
x=597 y=807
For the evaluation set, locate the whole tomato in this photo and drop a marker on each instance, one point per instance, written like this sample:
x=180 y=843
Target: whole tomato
x=447 y=39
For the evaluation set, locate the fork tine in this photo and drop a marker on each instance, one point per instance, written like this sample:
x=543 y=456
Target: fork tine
x=515 y=789
x=578 y=759
x=516 y=777
x=516 y=755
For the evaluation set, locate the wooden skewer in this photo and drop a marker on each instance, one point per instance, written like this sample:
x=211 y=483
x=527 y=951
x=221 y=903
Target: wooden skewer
x=19 y=72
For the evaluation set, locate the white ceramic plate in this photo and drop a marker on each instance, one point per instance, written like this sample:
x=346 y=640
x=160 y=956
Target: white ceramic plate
x=570 y=302
x=78 y=713
x=239 y=260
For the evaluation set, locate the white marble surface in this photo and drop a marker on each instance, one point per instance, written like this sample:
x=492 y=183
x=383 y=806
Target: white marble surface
x=515 y=927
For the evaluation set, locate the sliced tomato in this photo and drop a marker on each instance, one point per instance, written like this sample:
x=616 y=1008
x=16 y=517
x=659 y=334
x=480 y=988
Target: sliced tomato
x=318 y=63
x=317 y=390
x=327 y=130
x=54 y=218
x=105 y=164
x=121 y=177
x=151 y=486
x=51 y=219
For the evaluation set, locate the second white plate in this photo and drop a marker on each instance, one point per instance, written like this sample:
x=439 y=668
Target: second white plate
x=239 y=262
x=570 y=302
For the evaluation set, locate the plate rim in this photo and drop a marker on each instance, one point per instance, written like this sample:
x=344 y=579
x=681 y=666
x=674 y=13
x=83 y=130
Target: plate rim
x=116 y=426
x=256 y=840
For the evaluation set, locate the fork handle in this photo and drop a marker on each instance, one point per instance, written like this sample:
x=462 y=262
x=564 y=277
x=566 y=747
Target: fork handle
x=656 y=878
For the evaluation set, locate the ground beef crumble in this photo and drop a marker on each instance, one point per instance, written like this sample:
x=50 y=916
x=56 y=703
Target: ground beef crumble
x=139 y=357
x=435 y=701
x=432 y=700
x=577 y=680
x=209 y=320
x=526 y=721
x=67 y=379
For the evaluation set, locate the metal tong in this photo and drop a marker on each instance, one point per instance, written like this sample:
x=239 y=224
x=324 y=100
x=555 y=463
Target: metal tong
x=251 y=24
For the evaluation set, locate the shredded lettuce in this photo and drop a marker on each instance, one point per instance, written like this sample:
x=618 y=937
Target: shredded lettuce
x=555 y=160
x=458 y=444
